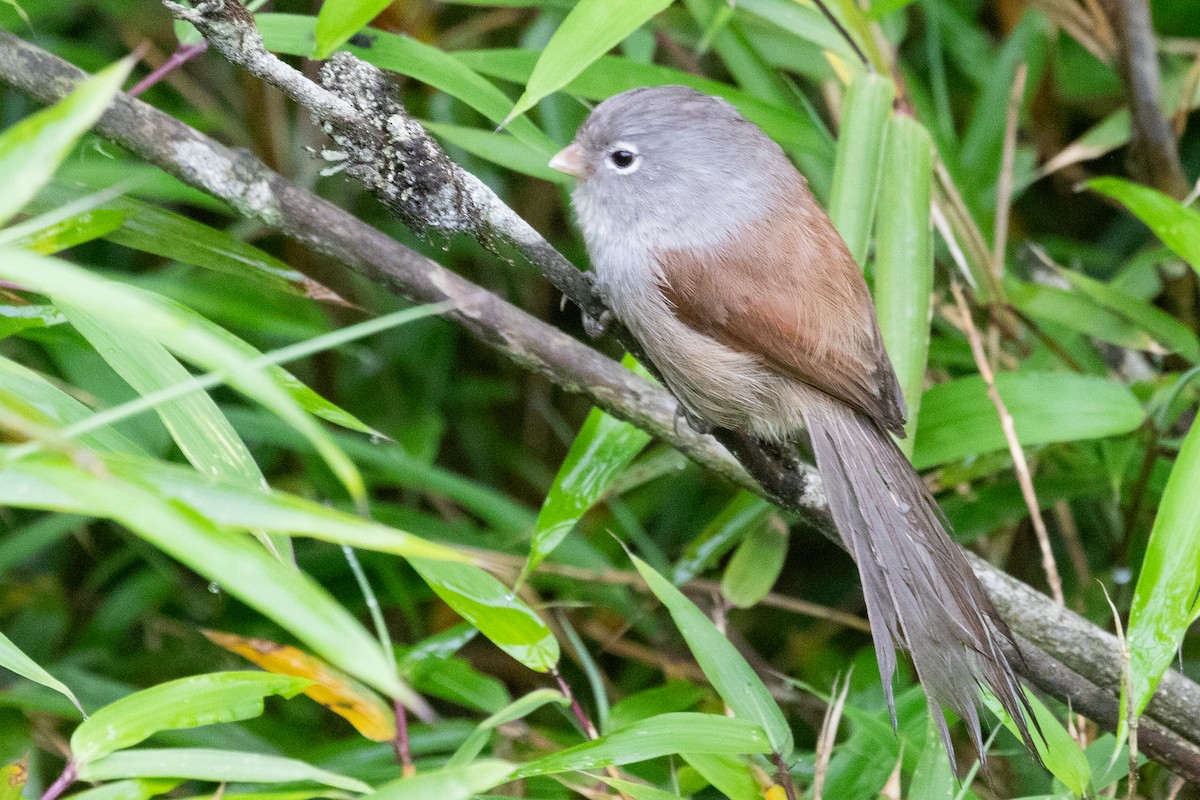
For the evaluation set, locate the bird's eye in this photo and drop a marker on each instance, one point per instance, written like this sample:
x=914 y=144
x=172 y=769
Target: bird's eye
x=622 y=159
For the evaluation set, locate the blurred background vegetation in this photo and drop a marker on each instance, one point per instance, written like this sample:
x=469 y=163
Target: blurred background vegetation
x=118 y=572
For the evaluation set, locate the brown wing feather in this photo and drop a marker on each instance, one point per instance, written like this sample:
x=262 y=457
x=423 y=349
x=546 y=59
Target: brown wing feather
x=790 y=293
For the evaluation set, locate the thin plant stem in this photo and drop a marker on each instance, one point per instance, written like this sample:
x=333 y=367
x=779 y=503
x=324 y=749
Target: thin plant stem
x=180 y=57
x=784 y=776
x=581 y=717
x=63 y=781
x=1020 y=465
x=401 y=744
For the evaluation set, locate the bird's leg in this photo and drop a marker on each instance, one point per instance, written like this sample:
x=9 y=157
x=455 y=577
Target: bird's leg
x=785 y=452
x=684 y=414
x=595 y=324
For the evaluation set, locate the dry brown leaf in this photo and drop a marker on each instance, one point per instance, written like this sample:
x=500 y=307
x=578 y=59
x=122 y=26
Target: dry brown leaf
x=332 y=688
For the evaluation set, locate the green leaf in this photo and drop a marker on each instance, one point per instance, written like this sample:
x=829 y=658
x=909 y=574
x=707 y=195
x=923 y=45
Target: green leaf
x=734 y=679
x=491 y=607
x=233 y=561
x=305 y=397
x=958 y=420
x=602 y=450
x=1059 y=752
x=138 y=313
x=213 y=765
x=1077 y=312
x=1174 y=223
x=198 y=427
x=239 y=506
x=676 y=695
x=338 y=20
x=591 y=29
x=32 y=149
x=745 y=512
x=859 y=161
x=611 y=75
x=933 y=779
x=1165 y=599
x=637 y=791
x=904 y=260
x=518 y=709
x=730 y=775
x=12 y=658
x=13 y=778
x=151 y=229
x=58 y=407
x=136 y=789
x=449 y=783
x=52 y=236
x=184 y=703
x=499 y=147
x=755 y=565
x=14 y=319
x=1158 y=324
x=651 y=738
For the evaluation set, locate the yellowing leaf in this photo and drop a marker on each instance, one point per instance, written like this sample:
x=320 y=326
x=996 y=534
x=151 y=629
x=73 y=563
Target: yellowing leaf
x=332 y=688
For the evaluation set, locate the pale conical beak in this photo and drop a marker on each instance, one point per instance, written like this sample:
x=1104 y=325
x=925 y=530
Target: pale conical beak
x=569 y=160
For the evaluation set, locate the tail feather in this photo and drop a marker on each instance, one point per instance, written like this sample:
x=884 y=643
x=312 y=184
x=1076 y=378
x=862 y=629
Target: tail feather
x=920 y=592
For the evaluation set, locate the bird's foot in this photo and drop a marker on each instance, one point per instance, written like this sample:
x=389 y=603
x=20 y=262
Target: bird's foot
x=684 y=415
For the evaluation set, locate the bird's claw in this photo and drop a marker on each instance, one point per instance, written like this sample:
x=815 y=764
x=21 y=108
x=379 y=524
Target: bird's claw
x=682 y=414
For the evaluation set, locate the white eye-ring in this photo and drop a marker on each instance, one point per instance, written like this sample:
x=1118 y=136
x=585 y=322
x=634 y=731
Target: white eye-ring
x=623 y=158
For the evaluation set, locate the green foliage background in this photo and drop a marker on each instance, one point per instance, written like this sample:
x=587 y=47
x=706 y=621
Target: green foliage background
x=483 y=500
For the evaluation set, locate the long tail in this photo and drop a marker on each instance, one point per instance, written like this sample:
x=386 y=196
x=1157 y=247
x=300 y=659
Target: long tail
x=919 y=590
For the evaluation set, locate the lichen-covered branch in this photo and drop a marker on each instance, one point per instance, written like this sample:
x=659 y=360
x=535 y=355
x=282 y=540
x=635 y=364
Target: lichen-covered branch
x=255 y=191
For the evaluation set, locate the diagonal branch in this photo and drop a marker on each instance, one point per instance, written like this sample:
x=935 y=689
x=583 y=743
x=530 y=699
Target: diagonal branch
x=255 y=191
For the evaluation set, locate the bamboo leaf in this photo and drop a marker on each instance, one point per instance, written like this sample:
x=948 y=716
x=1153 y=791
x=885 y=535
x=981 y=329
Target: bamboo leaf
x=137 y=312
x=32 y=149
x=213 y=765
x=666 y=734
x=859 y=161
x=326 y=685
x=591 y=29
x=756 y=564
x=904 y=260
x=958 y=420
x=1165 y=600
x=602 y=450
x=1175 y=224
x=1059 y=752
x=448 y=783
x=518 y=709
x=491 y=607
x=233 y=561
x=184 y=703
x=734 y=679
x=14 y=659
x=338 y=20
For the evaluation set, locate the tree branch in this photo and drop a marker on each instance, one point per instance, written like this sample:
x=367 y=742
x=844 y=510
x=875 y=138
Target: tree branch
x=245 y=183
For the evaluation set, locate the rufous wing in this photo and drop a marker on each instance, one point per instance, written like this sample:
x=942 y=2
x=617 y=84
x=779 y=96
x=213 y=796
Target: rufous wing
x=788 y=291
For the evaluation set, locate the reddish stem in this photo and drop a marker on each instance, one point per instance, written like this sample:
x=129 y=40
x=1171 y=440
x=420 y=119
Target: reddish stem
x=576 y=709
x=784 y=776
x=60 y=785
x=400 y=743
x=178 y=59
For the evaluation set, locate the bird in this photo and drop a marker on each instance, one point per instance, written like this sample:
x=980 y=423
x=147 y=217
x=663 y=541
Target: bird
x=708 y=245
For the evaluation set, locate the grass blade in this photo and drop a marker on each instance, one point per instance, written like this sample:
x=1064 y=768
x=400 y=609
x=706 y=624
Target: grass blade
x=32 y=149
